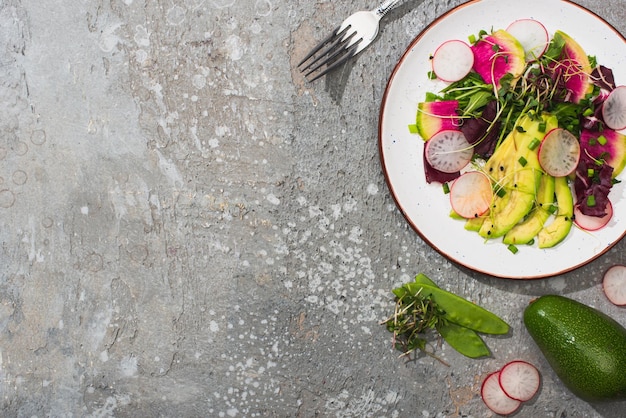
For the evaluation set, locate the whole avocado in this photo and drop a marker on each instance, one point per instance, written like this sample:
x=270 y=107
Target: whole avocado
x=585 y=347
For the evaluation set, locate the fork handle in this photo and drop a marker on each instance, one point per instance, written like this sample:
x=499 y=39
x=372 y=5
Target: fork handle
x=384 y=7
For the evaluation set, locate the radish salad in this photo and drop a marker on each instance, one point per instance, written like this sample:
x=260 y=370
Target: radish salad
x=527 y=135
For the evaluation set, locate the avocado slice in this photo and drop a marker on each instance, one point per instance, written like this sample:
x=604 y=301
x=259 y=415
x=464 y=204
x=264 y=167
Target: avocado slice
x=525 y=231
x=555 y=232
x=585 y=347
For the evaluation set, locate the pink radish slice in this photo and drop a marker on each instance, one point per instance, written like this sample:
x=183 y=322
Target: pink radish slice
x=452 y=61
x=448 y=151
x=495 y=398
x=614 y=285
x=614 y=109
x=471 y=194
x=592 y=223
x=519 y=380
x=532 y=35
x=559 y=153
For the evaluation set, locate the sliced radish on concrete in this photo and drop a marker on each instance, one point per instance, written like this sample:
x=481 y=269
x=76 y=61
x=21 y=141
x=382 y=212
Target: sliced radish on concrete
x=495 y=398
x=559 y=153
x=471 y=194
x=592 y=223
x=532 y=35
x=519 y=380
x=614 y=285
x=614 y=109
x=448 y=151
x=452 y=60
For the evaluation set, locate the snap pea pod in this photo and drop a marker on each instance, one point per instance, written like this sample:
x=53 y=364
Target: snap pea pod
x=464 y=340
x=457 y=309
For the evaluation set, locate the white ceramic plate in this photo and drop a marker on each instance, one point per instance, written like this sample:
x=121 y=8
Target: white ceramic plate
x=424 y=205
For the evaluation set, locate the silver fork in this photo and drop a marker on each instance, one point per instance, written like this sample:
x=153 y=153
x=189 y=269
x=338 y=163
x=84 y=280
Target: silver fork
x=347 y=40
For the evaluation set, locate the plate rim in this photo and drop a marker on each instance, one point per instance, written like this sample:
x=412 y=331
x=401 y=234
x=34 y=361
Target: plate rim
x=391 y=187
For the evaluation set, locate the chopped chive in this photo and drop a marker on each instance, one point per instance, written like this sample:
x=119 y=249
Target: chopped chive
x=472 y=39
x=413 y=128
x=602 y=140
x=590 y=172
x=500 y=192
x=522 y=161
x=512 y=248
x=446 y=188
x=534 y=144
x=591 y=201
x=542 y=126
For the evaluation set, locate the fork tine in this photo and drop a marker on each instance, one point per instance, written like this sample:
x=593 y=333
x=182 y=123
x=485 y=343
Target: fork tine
x=337 y=59
x=330 y=52
x=319 y=46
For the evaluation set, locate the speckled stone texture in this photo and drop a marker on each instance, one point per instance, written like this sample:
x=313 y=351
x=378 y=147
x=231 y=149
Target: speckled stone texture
x=189 y=229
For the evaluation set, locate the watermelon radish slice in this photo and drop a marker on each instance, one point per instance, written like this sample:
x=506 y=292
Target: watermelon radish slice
x=614 y=109
x=448 y=151
x=532 y=35
x=592 y=223
x=452 y=60
x=495 y=398
x=608 y=145
x=471 y=194
x=519 y=380
x=498 y=54
x=433 y=117
x=574 y=68
x=559 y=153
x=614 y=284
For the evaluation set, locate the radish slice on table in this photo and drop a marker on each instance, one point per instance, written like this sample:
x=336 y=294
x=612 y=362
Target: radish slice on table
x=519 y=380
x=559 y=153
x=532 y=35
x=592 y=223
x=495 y=398
x=614 y=285
x=448 y=151
x=471 y=194
x=453 y=60
x=614 y=109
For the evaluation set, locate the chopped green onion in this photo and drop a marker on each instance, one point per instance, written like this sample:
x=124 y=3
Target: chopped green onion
x=590 y=172
x=602 y=140
x=552 y=209
x=413 y=128
x=522 y=161
x=500 y=192
x=542 y=126
x=534 y=144
x=588 y=112
x=472 y=39
x=591 y=201
x=512 y=248
x=446 y=188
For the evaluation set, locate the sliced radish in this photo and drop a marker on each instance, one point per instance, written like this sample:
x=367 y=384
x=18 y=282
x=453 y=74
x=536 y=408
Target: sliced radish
x=448 y=151
x=614 y=109
x=532 y=35
x=453 y=60
x=614 y=284
x=471 y=194
x=559 y=153
x=519 y=380
x=592 y=223
x=495 y=398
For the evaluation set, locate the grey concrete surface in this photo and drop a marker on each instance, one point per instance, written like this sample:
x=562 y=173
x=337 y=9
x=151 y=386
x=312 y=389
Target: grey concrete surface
x=189 y=229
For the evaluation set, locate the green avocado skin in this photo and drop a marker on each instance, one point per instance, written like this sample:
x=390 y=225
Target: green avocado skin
x=585 y=347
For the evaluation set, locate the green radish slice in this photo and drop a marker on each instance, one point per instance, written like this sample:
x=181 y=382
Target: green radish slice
x=471 y=194
x=608 y=145
x=495 y=398
x=559 y=153
x=519 y=380
x=433 y=117
x=452 y=60
x=592 y=223
x=448 y=151
x=532 y=35
x=614 y=284
x=614 y=109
